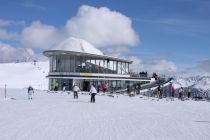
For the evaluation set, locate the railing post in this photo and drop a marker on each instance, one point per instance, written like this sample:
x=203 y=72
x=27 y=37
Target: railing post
x=5 y=93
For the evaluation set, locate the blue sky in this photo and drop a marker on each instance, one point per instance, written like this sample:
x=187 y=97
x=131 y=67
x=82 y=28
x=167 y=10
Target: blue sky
x=173 y=30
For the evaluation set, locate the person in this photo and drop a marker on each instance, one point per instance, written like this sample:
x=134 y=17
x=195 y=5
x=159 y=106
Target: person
x=159 y=92
x=76 y=90
x=56 y=85
x=104 y=87
x=30 y=92
x=139 y=88
x=172 y=92
x=64 y=86
x=128 y=89
x=98 y=88
x=181 y=93
x=136 y=89
x=93 y=94
x=188 y=92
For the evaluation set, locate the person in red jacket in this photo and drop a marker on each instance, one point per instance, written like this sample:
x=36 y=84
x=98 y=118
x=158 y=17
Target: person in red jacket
x=104 y=87
x=172 y=91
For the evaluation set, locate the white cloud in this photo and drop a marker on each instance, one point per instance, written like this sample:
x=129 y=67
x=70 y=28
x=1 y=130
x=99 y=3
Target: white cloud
x=11 y=54
x=4 y=23
x=99 y=26
x=7 y=35
x=158 y=66
x=162 y=66
x=39 y=35
x=201 y=68
x=33 y=5
x=102 y=27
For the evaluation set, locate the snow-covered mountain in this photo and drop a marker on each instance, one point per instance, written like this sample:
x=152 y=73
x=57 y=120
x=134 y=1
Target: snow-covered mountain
x=199 y=84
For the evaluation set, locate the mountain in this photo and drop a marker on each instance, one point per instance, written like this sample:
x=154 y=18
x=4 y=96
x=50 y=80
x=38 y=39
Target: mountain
x=198 y=84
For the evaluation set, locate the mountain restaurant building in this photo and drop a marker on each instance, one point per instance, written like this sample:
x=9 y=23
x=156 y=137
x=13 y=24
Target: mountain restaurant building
x=83 y=69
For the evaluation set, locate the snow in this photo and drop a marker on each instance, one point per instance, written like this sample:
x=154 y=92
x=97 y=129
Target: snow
x=198 y=82
x=21 y=75
x=58 y=116
x=77 y=45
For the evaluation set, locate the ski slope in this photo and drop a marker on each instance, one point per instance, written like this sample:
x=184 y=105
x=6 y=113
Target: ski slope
x=57 y=116
x=21 y=75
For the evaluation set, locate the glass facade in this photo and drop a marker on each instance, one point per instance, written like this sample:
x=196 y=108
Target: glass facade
x=66 y=63
x=112 y=85
x=87 y=64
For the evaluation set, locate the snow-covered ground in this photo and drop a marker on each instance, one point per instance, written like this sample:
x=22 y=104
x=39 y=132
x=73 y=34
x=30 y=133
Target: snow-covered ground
x=21 y=75
x=60 y=117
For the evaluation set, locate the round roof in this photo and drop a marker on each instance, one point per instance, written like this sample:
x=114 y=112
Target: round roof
x=77 y=45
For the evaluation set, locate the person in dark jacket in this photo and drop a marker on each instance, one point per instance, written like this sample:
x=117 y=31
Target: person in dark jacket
x=30 y=92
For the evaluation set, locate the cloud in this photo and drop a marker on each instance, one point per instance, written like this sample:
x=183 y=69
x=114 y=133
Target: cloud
x=117 y=51
x=7 y=35
x=4 y=23
x=39 y=35
x=11 y=54
x=179 y=25
x=158 y=66
x=102 y=27
x=33 y=5
x=99 y=26
x=204 y=66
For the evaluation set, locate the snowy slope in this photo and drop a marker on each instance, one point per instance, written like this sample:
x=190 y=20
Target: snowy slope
x=200 y=82
x=21 y=75
x=59 y=117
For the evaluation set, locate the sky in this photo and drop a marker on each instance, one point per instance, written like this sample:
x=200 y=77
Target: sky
x=168 y=36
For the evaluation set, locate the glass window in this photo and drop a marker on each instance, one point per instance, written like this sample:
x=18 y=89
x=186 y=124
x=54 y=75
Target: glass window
x=58 y=63
x=115 y=67
x=62 y=63
x=78 y=63
x=123 y=68
x=54 y=64
x=119 y=68
x=126 y=68
x=72 y=64
x=67 y=65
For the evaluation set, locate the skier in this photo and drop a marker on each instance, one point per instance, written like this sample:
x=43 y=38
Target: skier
x=56 y=85
x=139 y=88
x=181 y=93
x=64 y=86
x=104 y=87
x=128 y=89
x=188 y=92
x=76 y=90
x=30 y=92
x=136 y=89
x=159 y=92
x=93 y=93
x=172 y=92
x=98 y=88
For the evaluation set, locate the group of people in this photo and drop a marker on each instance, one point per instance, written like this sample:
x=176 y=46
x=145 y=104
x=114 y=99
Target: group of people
x=169 y=91
x=76 y=89
x=161 y=91
x=184 y=93
x=136 y=88
x=93 y=92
